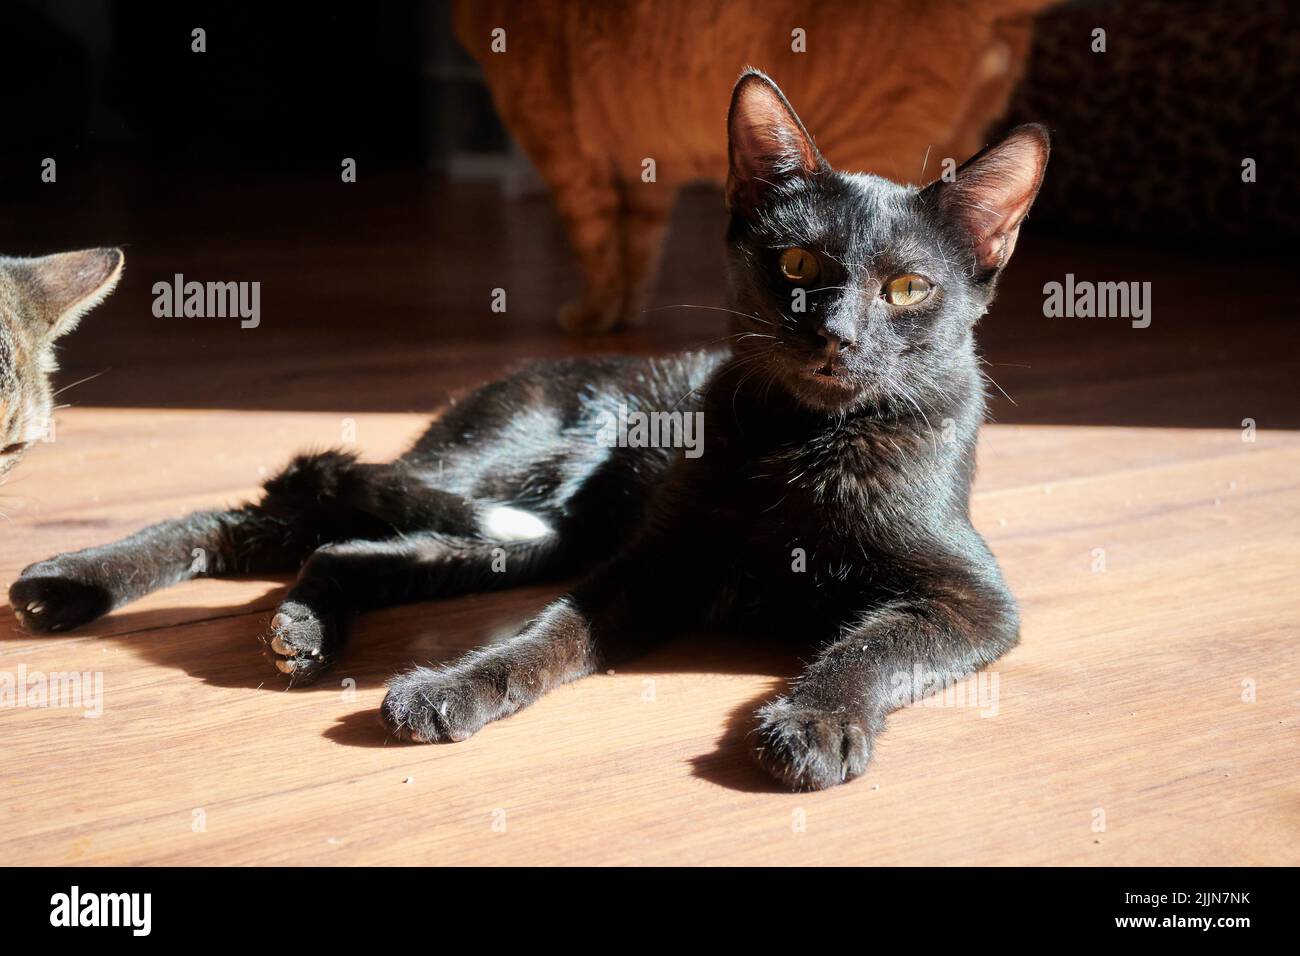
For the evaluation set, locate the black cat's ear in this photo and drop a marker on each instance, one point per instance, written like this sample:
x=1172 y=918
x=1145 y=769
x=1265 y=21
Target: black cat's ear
x=767 y=143
x=993 y=191
x=63 y=287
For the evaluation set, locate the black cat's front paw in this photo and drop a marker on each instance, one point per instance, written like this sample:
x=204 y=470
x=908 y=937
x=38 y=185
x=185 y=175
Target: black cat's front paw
x=49 y=597
x=426 y=705
x=810 y=749
x=301 y=641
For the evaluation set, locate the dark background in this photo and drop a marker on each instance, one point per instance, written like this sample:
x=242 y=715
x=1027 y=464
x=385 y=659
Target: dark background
x=1183 y=87
x=282 y=87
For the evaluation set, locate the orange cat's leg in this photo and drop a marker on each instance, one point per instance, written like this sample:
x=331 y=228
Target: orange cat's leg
x=616 y=233
x=591 y=210
x=647 y=209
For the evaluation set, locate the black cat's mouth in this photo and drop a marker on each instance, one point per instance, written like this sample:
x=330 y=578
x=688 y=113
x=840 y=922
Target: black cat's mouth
x=834 y=373
x=821 y=385
x=831 y=380
x=824 y=375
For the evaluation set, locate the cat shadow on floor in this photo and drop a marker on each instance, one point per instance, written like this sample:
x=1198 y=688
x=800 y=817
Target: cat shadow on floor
x=730 y=764
x=221 y=646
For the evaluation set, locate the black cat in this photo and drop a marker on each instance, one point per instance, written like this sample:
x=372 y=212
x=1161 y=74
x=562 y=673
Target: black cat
x=827 y=496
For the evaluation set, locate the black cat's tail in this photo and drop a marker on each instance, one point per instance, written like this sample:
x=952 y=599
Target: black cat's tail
x=331 y=496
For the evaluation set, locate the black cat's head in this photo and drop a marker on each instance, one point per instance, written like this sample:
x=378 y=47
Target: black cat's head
x=852 y=290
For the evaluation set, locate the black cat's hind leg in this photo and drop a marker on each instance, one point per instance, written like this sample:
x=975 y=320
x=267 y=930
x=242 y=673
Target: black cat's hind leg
x=340 y=580
x=317 y=498
x=72 y=589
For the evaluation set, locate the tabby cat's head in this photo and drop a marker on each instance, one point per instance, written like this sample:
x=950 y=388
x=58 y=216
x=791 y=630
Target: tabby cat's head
x=857 y=291
x=40 y=300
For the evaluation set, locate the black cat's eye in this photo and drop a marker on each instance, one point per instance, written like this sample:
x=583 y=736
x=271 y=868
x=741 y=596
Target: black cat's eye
x=907 y=290
x=799 y=266
x=13 y=449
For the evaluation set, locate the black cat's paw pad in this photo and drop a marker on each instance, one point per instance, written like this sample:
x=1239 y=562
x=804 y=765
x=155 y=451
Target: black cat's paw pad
x=425 y=705
x=808 y=749
x=299 y=642
x=46 y=599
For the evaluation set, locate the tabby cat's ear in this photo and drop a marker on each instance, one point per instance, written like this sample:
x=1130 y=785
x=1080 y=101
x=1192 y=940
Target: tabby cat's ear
x=767 y=143
x=993 y=191
x=63 y=287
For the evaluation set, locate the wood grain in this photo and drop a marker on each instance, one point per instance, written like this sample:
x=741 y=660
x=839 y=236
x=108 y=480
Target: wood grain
x=1126 y=696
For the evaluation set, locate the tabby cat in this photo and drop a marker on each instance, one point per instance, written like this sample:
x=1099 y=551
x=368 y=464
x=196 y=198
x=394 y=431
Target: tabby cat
x=40 y=300
x=821 y=504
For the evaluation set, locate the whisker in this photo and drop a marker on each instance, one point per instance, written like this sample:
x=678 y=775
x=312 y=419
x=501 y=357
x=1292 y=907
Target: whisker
x=708 y=308
x=81 y=381
x=991 y=379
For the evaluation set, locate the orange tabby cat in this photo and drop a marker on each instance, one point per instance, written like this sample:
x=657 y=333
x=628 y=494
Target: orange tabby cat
x=593 y=90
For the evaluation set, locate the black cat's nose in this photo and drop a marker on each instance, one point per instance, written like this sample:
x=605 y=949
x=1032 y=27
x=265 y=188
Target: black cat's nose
x=834 y=337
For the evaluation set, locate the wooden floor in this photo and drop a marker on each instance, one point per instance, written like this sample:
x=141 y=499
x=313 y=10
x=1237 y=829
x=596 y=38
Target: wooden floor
x=1150 y=715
